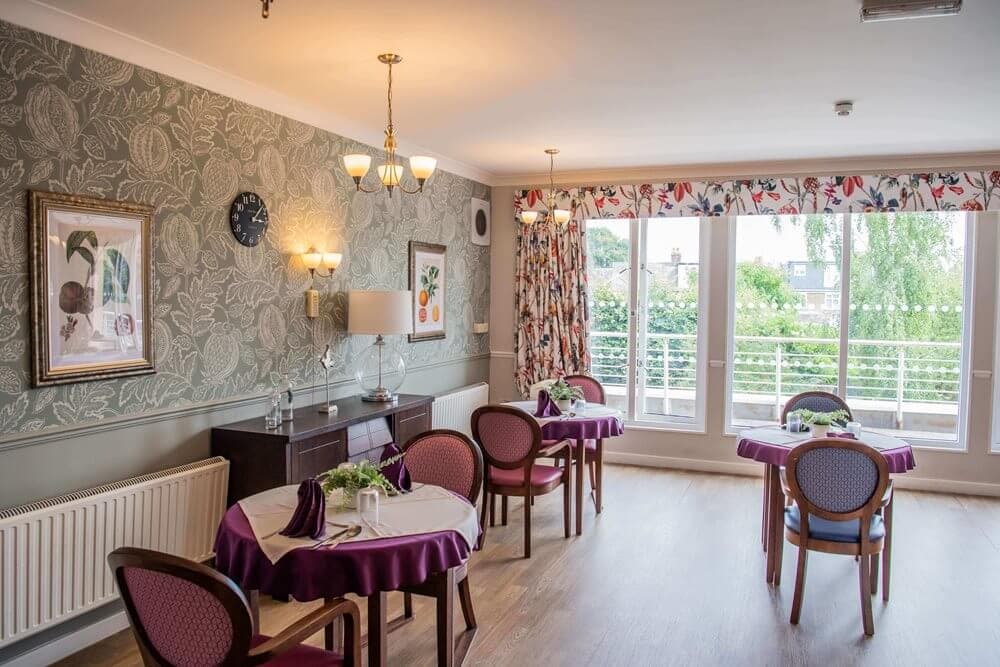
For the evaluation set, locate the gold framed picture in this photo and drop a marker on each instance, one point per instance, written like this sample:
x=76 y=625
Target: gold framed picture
x=427 y=283
x=91 y=288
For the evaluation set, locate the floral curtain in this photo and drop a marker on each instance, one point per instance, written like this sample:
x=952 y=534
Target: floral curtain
x=550 y=302
x=950 y=191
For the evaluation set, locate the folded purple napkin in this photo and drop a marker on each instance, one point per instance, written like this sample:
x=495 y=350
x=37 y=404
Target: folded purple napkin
x=546 y=406
x=309 y=518
x=397 y=472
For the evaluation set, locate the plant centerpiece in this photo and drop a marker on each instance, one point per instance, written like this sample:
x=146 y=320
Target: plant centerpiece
x=820 y=422
x=564 y=395
x=352 y=477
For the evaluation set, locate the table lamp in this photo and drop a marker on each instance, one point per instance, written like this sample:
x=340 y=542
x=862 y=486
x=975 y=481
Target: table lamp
x=380 y=369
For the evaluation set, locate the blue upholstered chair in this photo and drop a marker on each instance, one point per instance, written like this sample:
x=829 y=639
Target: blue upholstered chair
x=817 y=401
x=842 y=504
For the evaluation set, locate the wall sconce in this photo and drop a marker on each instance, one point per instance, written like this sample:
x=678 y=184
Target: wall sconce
x=313 y=260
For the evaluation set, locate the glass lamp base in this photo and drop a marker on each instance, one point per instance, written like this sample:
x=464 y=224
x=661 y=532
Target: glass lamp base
x=380 y=395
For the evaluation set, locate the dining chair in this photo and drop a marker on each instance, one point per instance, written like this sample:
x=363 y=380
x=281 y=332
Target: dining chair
x=839 y=490
x=448 y=459
x=817 y=401
x=186 y=614
x=593 y=392
x=511 y=441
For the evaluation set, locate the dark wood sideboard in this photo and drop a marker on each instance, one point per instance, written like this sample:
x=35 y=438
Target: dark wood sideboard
x=261 y=458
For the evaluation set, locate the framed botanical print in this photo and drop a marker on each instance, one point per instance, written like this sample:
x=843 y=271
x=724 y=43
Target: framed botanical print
x=427 y=282
x=91 y=288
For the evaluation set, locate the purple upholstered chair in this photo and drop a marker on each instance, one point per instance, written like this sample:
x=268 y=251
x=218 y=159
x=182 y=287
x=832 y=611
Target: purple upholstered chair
x=839 y=490
x=188 y=615
x=451 y=460
x=593 y=392
x=512 y=443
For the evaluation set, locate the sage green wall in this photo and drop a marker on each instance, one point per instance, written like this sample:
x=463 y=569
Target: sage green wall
x=229 y=320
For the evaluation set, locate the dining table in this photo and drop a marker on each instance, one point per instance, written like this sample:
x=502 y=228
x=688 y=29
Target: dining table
x=771 y=446
x=420 y=536
x=584 y=421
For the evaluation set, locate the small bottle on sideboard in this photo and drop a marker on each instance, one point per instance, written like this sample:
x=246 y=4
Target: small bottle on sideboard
x=287 y=407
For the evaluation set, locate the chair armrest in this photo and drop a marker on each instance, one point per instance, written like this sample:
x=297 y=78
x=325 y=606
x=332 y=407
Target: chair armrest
x=552 y=449
x=311 y=624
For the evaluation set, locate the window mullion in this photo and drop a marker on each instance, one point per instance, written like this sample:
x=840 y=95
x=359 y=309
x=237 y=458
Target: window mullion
x=634 y=262
x=845 y=305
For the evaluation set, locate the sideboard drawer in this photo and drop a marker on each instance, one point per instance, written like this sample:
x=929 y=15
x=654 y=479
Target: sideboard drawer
x=315 y=455
x=409 y=423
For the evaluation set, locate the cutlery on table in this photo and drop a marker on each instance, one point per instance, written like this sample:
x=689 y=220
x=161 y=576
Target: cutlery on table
x=336 y=538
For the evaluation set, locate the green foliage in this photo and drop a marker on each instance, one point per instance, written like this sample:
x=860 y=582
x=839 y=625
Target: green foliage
x=822 y=418
x=116 y=277
x=606 y=250
x=353 y=477
x=74 y=244
x=560 y=391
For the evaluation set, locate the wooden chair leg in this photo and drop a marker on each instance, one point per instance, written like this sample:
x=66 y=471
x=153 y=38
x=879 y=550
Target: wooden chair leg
x=465 y=598
x=886 y=550
x=493 y=509
x=407 y=605
x=873 y=568
x=527 y=525
x=567 y=501
x=445 y=619
x=779 y=552
x=503 y=510
x=592 y=475
x=482 y=517
x=864 y=581
x=800 y=582
x=599 y=467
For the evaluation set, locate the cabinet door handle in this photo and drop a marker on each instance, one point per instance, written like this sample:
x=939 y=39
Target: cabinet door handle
x=412 y=417
x=325 y=444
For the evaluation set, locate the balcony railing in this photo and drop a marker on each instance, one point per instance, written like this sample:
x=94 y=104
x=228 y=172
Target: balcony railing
x=901 y=376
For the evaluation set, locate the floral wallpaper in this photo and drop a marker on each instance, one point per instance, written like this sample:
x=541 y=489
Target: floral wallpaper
x=550 y=302
x=228 y=320
x=969 y=191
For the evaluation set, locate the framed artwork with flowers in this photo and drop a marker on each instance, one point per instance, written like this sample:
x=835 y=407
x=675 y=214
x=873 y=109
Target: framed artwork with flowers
x=91 y=288
x=427 y=282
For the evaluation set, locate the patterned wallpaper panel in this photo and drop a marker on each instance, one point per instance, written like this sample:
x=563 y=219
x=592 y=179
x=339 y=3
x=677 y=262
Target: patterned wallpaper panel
x=229 y=320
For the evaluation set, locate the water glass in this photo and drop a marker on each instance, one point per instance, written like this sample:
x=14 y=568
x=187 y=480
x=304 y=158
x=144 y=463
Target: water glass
x=854 y=428
x=794 y=423
x=272 y=419
x=368 y=506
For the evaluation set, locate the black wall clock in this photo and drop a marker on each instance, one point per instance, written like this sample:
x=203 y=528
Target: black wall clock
x=248 y=218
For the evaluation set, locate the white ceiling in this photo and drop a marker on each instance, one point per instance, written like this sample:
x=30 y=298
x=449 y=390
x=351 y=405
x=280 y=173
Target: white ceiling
x=614 y=84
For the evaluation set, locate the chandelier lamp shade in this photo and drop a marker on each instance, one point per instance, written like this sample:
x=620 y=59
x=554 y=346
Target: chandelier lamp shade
x=391 y=173
x=558 y=215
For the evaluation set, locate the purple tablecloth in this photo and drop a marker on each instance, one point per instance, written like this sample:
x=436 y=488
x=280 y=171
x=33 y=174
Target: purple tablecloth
x=362 y=568
x=900 y=459
x=583 y=428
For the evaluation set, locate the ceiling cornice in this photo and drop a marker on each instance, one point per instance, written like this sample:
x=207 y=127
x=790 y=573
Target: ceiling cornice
x=38 y=16
x=740 y=170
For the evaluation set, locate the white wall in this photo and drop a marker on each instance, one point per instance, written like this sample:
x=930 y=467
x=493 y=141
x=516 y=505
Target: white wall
x=975 y=470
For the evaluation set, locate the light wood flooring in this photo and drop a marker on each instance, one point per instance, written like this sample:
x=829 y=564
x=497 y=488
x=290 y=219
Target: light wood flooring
x=672 y=573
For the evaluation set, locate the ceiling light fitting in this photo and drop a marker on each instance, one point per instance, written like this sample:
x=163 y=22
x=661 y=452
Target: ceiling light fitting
x=843 y=108
x=265 y=8
x=894 y=10
x=390 y=173
x=558 y=215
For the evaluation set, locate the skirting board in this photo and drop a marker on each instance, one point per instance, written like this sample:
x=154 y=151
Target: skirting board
x=755 y=469
x=68 y=644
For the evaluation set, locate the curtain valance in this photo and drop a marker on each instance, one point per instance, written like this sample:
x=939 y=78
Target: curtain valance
x=945 y=191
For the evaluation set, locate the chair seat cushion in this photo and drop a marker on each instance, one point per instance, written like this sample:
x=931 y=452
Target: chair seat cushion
x=302 y=655
x=540 y=476
x=834 y=531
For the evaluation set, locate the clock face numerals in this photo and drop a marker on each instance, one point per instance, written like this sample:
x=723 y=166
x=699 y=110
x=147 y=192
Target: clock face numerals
x=248 y=218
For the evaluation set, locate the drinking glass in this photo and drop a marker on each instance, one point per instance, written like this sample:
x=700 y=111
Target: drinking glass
x=368 y=506
x=273 y=417
x=854 y=428
x=794 y=423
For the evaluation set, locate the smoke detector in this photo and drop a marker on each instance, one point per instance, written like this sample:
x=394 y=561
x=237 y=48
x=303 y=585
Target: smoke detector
x=843 y=108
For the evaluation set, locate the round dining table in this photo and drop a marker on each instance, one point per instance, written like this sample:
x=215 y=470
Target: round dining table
x=587 y=421
x=771 y=446
x=368 y=568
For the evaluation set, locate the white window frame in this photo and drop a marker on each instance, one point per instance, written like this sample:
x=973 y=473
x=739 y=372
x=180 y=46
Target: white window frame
x=958 y=444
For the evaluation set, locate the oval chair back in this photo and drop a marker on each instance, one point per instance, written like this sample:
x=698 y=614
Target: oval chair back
x=183 y=613
x=510 y=437
x=448 y=459
x=593 y=391
x=816 y=401
x=837 y=479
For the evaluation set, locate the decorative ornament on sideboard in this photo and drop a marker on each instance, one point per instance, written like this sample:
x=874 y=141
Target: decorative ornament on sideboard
x=390 y=173
x=313 y=260
x=558 y=215
x=326 y=361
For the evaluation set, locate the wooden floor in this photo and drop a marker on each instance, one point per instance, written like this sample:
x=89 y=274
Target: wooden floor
x=672 y=573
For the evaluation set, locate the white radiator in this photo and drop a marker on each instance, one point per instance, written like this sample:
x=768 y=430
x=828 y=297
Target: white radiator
x=53 y=553
x=454 y=409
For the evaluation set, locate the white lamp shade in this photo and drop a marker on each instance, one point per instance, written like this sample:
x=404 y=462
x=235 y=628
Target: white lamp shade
x=422 y=166
x=529 y=217
x=561 y=216
x=357 y=165
x=390 y=176
x=380 y=312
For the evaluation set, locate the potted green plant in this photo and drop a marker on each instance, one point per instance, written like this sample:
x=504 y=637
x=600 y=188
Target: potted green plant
x=820 y=422
x=564 y=395
x=352 y=477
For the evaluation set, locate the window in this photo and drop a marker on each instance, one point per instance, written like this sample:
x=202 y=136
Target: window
x=645 y=317
x=896 y=356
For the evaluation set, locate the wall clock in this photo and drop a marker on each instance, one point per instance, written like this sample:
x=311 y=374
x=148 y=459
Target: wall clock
x=248 y=218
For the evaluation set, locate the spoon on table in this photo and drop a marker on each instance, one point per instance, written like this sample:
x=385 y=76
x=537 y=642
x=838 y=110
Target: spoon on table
x=346 y=534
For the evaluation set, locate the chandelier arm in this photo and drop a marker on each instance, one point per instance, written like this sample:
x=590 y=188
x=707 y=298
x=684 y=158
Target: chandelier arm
x=409 y=192
x=370 y=191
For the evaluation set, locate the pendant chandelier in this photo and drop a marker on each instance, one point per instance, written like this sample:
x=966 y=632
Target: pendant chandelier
x=558 y=215
x=390 y=173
